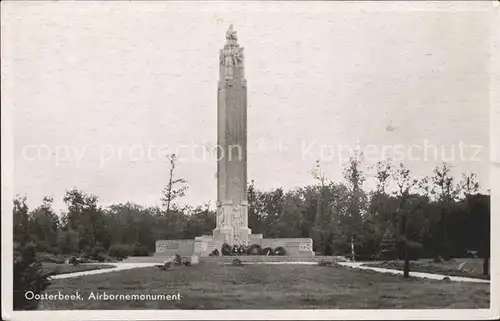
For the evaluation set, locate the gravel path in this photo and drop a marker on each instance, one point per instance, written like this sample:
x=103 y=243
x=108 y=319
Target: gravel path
x=118 y=267
x=433 y=276
x=278 y=263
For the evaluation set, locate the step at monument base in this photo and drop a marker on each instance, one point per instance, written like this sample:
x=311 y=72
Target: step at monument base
x=229 y=259
x=203 y=245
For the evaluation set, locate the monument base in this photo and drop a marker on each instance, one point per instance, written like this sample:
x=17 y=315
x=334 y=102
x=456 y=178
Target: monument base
x=226 y=234
x=203 y=245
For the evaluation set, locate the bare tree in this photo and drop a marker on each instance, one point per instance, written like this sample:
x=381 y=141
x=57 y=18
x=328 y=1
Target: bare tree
x=175 y=188
x=318 y=175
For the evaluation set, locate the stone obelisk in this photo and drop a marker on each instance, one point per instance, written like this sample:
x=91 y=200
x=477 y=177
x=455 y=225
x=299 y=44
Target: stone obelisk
x=232 y=206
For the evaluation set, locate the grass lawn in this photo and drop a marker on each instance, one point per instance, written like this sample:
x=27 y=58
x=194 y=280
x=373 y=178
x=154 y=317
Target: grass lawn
x=68 y=268
x=472 y=268
x=214 y=286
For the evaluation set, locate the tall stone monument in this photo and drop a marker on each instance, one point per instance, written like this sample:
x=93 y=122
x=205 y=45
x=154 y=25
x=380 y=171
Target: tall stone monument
x=232 y=206
x=231 y=224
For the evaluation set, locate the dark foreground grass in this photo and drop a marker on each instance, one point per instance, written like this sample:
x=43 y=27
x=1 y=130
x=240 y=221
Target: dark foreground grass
x=212 y=286
x=472 y=268
x=55 y=268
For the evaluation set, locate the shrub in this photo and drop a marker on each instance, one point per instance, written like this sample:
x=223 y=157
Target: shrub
x=387 y=248
x=447 y=257
x=84 y=260
x=437 y=259
x=364 y=257
x=414 y=250
x=166 y=265
x=139 y=250
x=49 y=258
x=324 y=263
x=54 y=250
x=74 y=261
x=226 y=249
x=280 y=251
x=28 y=276
x=177 y=259
x=237 y=261
x=100 y=257
x=98 y=253
x=471 y=254
x=68 y=242
x=254 y=249
x=267 y=251
x=120 y=251
x=41 y=247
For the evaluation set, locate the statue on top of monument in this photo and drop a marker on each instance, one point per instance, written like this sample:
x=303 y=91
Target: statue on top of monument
x=231 y=34
x=232 y=54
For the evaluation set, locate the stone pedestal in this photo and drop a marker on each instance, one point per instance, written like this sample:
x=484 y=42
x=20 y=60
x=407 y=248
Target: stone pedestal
x=224 y=234
x=232 y=223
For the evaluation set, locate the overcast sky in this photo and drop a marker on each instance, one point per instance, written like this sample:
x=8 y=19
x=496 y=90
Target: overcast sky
x=93 y=86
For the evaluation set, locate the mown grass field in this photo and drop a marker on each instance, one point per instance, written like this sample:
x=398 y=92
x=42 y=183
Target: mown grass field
x=55 y=268
x=456 y=267
x=214 y=286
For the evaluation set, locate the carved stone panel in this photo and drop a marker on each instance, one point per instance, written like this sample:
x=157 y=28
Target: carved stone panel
x=200 y=246
x=303 y=247
x=221 y=217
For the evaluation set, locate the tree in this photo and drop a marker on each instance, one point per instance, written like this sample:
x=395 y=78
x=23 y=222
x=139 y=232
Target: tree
x=388 y=247
x=255 y=208
x=273 y=204
x=446 y=193
x=21 y=221
x=200 y=221
x=319 y=230
x=384 y=171
x=132 y=223
x=44 y=225
x=478 y=225
x=175 y=188
x=357 y=198
x=381 y=223
x=469 y=184
x=68 y=241
x=405 y=184
x=28 y=276
x=332 y=213
x=86 y=217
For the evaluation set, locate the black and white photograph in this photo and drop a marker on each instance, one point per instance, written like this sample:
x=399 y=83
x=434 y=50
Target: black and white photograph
x=239 y=160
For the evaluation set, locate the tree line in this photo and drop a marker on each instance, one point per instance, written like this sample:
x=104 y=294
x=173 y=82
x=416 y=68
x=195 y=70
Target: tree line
x=437 y=214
